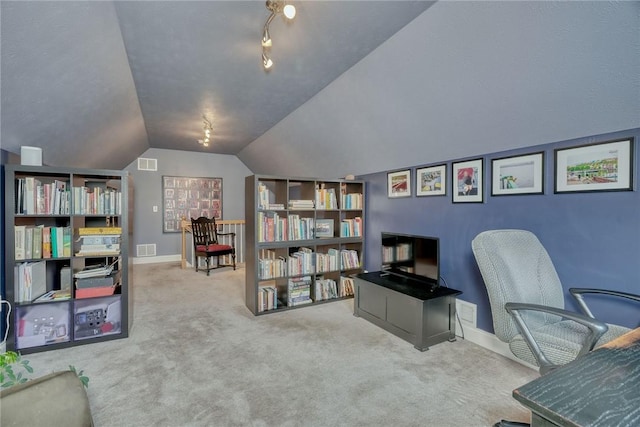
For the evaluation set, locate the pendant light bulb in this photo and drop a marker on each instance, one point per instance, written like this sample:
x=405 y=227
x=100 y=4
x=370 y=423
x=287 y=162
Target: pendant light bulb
x=266 y=61
x=289 y=11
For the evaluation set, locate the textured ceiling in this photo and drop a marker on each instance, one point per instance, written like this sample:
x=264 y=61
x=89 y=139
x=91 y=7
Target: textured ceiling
x=357 y=86
x=120 y=77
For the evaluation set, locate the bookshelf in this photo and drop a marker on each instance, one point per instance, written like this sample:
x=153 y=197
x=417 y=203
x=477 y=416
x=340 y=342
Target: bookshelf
x=60 y=222
x=304 y=239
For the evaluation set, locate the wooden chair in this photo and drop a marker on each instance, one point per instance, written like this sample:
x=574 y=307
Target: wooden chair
x=207 y=245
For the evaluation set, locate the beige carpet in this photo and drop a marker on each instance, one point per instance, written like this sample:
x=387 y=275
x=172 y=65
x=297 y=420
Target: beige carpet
x=197 y=357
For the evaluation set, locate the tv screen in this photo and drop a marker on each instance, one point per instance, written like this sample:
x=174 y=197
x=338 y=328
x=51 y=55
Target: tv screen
x=410 y=256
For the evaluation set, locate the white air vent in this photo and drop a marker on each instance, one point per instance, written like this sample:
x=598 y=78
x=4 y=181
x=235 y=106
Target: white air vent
x=147 y=164
x=466 y=313
x=146 y=250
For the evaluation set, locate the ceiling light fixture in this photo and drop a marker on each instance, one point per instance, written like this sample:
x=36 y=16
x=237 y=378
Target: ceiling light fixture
x=276 y=7
x=208 y=129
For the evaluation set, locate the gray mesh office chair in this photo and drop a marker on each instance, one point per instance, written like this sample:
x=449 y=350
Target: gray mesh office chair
x=527 y=301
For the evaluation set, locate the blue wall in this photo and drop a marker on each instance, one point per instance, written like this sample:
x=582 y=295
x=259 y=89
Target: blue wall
x=592 y=238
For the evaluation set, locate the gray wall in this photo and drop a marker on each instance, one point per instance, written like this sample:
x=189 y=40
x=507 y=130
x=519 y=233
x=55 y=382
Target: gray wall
x=148 y=191
x=493 y=75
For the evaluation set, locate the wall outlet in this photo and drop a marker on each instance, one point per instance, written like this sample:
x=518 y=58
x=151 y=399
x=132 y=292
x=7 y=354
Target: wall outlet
x=155 y=209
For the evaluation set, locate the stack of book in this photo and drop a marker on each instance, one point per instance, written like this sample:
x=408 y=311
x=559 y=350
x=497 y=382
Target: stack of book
x=299 y=291
x=97 y=280
x=99 y=241
x=301 y=204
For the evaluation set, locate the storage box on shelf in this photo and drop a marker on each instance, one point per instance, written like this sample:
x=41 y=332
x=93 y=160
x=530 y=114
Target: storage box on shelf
x=304 y=238
x=68 y=272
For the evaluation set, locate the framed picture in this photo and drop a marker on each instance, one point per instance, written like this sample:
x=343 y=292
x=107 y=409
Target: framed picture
x=188 y=197
x=324 y=228
x=518 y=175
x=399 y=183
x=431 y=181
x=603 y=166
x=467 y=181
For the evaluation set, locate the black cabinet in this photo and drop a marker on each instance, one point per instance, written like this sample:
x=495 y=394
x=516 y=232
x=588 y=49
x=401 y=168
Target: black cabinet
x=416 y=311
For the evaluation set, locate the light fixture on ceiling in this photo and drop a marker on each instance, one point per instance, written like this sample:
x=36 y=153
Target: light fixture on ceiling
x=276 y=7
x=207 y=129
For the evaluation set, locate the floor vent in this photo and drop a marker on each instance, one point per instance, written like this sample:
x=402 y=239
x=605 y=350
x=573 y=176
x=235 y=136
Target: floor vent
x=146 y=250
x=147 y=164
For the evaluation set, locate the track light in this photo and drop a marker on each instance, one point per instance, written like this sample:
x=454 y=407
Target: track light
x=276 y=7
x=266 y=61
x=207 y=128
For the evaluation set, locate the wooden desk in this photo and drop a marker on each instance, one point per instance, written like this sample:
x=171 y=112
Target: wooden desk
x=601 y=388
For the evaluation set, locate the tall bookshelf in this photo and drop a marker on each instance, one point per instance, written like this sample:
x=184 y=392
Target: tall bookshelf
x=304 y=239
x=58 y=222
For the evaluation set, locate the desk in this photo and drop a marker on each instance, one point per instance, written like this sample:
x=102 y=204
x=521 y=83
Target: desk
x=601 y=388
x=413 y=310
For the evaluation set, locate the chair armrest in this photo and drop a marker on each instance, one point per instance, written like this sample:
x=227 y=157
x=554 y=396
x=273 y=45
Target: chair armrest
x=227 y=234
x=596 y=328
x=578 y=292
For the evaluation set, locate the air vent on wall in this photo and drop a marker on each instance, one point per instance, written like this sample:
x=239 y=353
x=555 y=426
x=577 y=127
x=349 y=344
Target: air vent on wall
x=147 y=164
x=146 y=250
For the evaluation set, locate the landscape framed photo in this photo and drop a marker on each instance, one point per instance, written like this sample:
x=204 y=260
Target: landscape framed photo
x=399 y=184
x=324 y=228
x=467 y=181
x=431 y=181
x=189 y=197
x=518 y=175
x=603 y=166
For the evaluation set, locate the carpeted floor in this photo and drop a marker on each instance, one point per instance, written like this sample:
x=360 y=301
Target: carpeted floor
x=196 y=356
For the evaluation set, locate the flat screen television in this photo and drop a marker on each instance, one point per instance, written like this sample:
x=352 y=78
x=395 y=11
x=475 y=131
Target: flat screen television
x=410 y=256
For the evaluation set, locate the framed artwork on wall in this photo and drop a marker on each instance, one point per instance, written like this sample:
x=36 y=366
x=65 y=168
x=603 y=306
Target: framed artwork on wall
x=518 y=175
x=399 y=184
x=467 y=181
x=189 y=197
x=431 y=181
x=603 y=166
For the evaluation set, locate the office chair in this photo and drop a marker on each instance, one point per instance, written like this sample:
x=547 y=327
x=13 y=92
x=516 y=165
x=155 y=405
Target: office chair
x=527 y=302
x=206 y=243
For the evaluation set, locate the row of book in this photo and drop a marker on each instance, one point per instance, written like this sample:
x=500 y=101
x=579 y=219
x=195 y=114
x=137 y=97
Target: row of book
x=299 y=292
x=351 y=201
x=351 y=227
x=265 y=198
x=326 y=198
x=305 y=261
x=35 y=198
x=328 y=288
x=38 y=242
x=97 y=201
x=272 y=227
x=267 y=298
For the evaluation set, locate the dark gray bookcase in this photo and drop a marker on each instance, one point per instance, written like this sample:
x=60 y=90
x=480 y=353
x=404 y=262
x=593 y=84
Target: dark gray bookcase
x=80 y=318
x=271 y=199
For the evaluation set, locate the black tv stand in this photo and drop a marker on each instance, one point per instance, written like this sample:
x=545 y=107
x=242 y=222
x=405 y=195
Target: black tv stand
x=419 y=312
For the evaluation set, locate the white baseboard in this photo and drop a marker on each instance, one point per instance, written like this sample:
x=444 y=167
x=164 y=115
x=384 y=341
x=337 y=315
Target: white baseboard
x=157 y=259
x=491 y=342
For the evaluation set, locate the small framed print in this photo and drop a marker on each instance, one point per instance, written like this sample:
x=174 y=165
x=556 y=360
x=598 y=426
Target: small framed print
x=518 y=175
x=431 y=181
x=399 y=184
x=603 y=166
x=324 y=228
x=467 y=181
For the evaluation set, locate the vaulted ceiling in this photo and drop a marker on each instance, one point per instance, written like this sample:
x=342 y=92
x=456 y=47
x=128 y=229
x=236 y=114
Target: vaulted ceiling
x=357 y=86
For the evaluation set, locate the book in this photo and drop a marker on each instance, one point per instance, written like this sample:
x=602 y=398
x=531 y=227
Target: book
x=28 y=243
x=85 y=231
x=46 y=242
x=20 y=235
x=66 y=241
x=36 y=251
